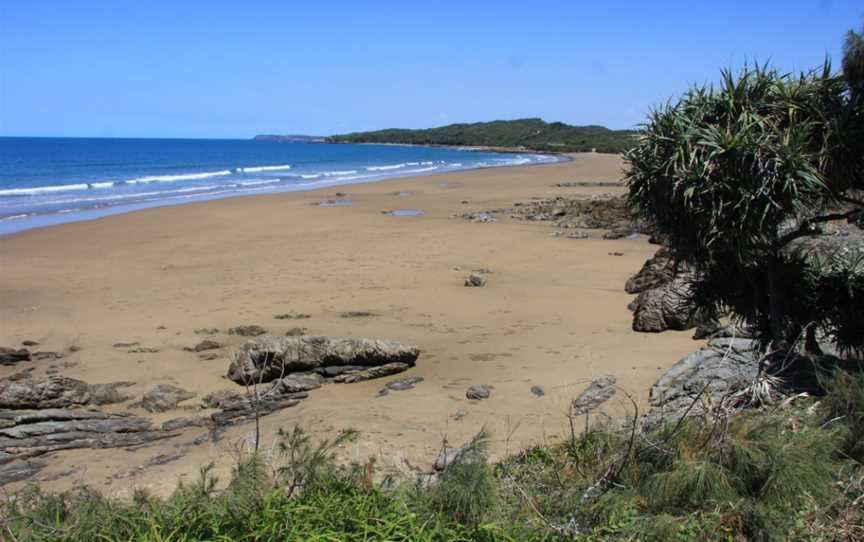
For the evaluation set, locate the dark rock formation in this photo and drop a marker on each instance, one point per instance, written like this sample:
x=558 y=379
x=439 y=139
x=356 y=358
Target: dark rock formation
x=373 y=372
x=598 y=392
x=296 y=332
x=475 y=281
x=11 y=356
x=207 y=344
x=268 y=358
x=247 y=331
x=219 y=398
x=669 y=306
x=247 y=408
x=297 y=382
x=479 y=391
x=22 y=391
x=400 y=384
x=206 y=331
x=24 y=434
x=292 y=316
x=357 y=314
x=164 y=397
x=720 y=369
x=657 y=271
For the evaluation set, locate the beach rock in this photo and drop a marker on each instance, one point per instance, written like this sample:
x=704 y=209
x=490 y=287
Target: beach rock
x=29 y=343
x=269 y=357
x=247 y=408
x=598 y=392
x=182 y=423
x=15 y=471
x=142 y=350
x=219 y=398
x=657 y=271
x=208 y=356
x=400 y=384
x=337 y=370
x=297 y=382
x=11 y=356
x=538 y=391
x=24 y=391
x=475 y=281
x=41 y=356
x=24 y=434
x=669 y=306
x=106 y=394
x=207 y=344
x=357 y=314
x=479 y=391
x=292 y=316
x=247 y=331
x=206 y=331
x=720 y=369
x=164 y=397
x=373 y=372
x=296 y=332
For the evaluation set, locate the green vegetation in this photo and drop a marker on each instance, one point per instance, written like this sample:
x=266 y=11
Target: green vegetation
x=532 y=134
x=737 y=179
x=791 y=472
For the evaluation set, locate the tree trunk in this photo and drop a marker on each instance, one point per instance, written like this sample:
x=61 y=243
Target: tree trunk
x=778 y=302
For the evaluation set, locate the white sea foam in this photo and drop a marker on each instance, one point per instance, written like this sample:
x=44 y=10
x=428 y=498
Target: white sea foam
x=184 y=177
x=314 y=176
x=385 y=168
x=340 y=173
x=263 y=168
x=41 y=190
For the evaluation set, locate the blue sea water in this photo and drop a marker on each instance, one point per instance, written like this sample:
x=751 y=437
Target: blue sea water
x=46 y=181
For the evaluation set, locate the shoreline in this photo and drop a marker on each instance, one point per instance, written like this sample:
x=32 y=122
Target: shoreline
x=554 y=313
x=45 y=220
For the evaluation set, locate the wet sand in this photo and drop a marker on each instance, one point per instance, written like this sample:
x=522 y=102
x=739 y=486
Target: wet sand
x=554 y=313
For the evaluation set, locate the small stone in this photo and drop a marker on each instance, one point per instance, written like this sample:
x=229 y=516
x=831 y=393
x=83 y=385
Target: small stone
x=475 y=281
x=296 y=332
x=479 y=391
x=142 y=350
x=206 y=331
x=125 y=345
x=247 y=331
x=292 y=316
x=207 y=344
x=357 y=314
x=29 y=343
x=538 y=391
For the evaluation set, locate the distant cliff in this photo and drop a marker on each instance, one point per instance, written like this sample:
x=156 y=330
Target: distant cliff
x=533 y=134
x=289 y=138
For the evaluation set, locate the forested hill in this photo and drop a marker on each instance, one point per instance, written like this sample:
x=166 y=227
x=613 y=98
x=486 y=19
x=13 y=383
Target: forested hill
x=534 y=134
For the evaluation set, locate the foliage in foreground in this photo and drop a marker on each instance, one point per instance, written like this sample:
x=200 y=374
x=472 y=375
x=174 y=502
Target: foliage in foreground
x=785 y=473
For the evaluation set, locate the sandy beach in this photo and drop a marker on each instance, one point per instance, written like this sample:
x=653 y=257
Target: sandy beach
x=554 y=313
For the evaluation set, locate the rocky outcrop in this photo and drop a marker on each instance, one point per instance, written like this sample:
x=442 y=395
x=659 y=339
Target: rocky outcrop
x=598 y=392
x=669 y=306
x=23 y=391
x=720 y=369
x=248 y=407
x=594 y=213
x=207 y=344
x=269 y=357
x=479 y=391
x=11 y=356
x=373 y=372
x=164 y=397
x=28 y=433
x=657 y=271
x=247 y=331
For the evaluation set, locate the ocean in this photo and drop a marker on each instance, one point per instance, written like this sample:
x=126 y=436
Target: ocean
x=46 y=181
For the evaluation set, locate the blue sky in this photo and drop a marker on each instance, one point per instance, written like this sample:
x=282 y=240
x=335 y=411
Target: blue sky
x=187 y=68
